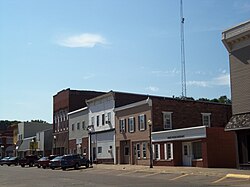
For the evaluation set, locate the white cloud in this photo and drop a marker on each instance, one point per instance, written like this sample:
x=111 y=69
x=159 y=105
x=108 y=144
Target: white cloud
x=86 y=40
x=160 y=73
x=221 y=80
x=88 y=76
x=152 y=89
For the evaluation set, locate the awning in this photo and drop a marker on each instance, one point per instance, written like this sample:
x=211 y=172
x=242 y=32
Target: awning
x=238 y=122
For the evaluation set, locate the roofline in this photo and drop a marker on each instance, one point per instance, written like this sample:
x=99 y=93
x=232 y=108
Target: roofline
x=139 y=103
x=76 y=111
x=110 y=93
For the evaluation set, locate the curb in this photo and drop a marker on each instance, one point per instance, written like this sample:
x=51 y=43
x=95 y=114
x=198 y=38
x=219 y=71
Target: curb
x=239 y=176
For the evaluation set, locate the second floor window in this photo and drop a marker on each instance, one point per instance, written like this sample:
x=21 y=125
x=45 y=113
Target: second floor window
x=103 y=119
x=142 y=122
x=92 y=121
x=167 y=120
x=83 y=125
x=78 y=126
x=131 y=124
x=73 y=127
x=206 y=119
x=122 y=125
x=97 y=121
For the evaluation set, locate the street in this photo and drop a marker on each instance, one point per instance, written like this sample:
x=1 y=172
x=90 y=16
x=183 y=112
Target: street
x=25 y=177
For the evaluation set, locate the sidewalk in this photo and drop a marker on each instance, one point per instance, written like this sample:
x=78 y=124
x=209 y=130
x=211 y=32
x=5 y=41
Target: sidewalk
x=219 y=172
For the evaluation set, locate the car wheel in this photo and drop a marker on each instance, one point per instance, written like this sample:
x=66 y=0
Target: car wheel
x=76 y=166
x=87 y=165
x=8 y=164
x=22 y=165
x=44 y=167
x=63 y=169
x=52 y=168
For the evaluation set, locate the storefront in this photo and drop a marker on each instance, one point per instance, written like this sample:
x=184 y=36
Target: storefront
x=196 y=146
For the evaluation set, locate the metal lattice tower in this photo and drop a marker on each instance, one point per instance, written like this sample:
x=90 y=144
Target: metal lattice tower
x=183 y=68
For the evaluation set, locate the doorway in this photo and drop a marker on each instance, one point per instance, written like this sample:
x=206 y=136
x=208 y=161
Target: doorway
x=187 y=154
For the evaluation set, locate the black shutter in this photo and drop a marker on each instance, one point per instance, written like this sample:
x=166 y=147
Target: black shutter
x=125 y=125
x=128 y=125
x=139 y=123
x=145 y=121
x=134 y=124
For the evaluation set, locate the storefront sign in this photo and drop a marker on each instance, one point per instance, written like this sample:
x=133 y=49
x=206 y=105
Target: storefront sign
x=179 y=134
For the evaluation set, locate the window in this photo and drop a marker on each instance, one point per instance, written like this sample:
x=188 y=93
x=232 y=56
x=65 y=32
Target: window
x=157 y=151
x=99 y=150
x=167 y=120
x=197 y=150
x=168 y=149
x=108 y=118
x=131 y=124
x=73 y=127
x=144 y=150
x=92 y=120
x=97 y=121
x=206 y=119
x=103 y=119
x=138 y=150
x=122 y=123
x=83 y=125
x=142 y=122
x=78 y=126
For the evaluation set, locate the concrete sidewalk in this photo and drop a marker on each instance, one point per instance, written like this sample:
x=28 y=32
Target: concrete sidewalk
x=219 y=172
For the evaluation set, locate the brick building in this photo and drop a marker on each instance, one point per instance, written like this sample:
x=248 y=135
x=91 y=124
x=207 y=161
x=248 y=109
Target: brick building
x=64 y=102
x=185 y=132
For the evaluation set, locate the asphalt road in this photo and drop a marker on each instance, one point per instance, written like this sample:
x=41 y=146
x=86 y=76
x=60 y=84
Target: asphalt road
x=92 y=177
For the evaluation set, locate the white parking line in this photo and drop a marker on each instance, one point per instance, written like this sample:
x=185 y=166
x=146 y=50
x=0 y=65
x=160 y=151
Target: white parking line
x=179 y=177
x=150 y=174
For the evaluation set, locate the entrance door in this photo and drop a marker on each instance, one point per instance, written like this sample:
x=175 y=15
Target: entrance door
x=126 y=155
x=187 y=154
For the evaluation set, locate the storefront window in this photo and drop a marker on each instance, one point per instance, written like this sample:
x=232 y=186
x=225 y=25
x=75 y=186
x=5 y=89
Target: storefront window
x=197 y=150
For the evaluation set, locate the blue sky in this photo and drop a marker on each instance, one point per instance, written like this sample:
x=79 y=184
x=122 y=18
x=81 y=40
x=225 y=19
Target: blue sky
x=129 y=45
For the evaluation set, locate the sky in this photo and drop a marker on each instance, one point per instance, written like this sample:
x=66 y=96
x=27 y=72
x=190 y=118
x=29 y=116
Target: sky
x=122 y=45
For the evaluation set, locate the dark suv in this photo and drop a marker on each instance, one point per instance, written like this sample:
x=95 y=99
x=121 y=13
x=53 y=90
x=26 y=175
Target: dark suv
x=74 y=161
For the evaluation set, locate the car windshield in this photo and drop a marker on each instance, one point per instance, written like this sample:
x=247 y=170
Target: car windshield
x=57 y=158
x=43 y=158
x=5 y=158
x=12 y=158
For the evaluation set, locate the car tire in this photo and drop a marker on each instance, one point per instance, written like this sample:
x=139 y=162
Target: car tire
x=87 y=165
x=44 y=167
x=52 y=168
x=63 y=168
x=22 y=165
x=76 y=166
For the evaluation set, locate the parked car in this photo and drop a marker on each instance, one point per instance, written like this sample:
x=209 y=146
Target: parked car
x=74 y=161
x=12 y=161
x=56 y=162
x=30 y=160
x=4 y=160
x=44 y=161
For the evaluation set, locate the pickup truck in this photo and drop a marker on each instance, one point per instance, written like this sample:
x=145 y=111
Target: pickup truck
x=74 y=161
x=29 y=160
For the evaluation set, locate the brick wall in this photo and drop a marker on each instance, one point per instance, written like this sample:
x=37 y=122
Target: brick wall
x=72 y=146
x=188 y=113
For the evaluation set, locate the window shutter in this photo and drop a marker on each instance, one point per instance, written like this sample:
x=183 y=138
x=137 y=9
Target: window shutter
x=145 y=122
x=134 y=121
x=129 y=125
x=139 y=123
x=125 y=126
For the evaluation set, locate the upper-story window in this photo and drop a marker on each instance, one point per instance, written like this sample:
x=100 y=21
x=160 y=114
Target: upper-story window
x=206 y=121
x=131 y=124
x=122 y=123
x=92 y=121
x=103 y=119
x=78 y=126
x=108 y=118
x=142 y=122
x=97 y=121
x=83 y=125
x=73 y=127
x=167 y=120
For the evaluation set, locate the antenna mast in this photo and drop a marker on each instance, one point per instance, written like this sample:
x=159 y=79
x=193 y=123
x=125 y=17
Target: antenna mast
x=183 y=68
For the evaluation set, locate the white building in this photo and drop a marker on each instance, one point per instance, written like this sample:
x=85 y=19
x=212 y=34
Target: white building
x=102 y=122
x=78 y=131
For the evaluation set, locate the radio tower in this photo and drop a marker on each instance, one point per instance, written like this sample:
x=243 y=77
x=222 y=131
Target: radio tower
x=183 y=69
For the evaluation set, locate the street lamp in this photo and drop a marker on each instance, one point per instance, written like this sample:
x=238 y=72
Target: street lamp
x=150 y=143
x=90 y=129
x=54 y=137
